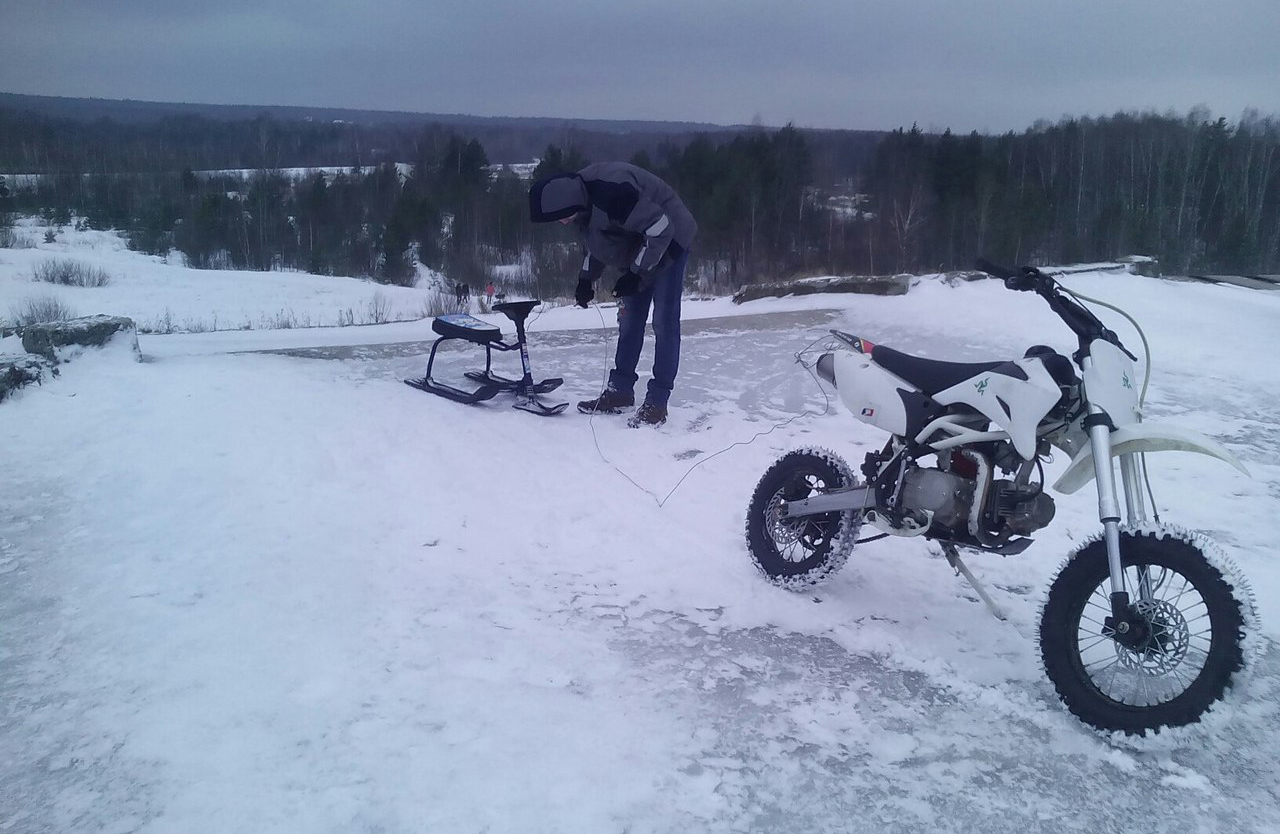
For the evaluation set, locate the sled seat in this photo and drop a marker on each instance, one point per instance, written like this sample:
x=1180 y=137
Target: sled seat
x=468 y=327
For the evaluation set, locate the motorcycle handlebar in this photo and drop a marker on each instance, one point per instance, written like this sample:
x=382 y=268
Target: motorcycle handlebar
x=1082 y=322
x=998 y=271
x=1022 y=281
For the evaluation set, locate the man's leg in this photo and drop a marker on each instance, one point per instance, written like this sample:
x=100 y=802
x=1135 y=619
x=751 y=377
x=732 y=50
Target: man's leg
x=667 y=289
x=633 y=315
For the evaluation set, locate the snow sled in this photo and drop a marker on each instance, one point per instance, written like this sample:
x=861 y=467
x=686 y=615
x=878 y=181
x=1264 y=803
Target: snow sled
x=471 y=329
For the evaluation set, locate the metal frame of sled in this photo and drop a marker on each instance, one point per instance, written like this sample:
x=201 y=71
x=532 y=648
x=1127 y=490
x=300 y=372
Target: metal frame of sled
x=468 y=328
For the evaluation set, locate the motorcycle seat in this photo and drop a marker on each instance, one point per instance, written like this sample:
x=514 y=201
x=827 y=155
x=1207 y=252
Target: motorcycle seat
x=934 y=375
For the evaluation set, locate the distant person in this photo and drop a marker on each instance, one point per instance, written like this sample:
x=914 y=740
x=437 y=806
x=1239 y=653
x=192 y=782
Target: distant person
x=457 y=293
x=631 y=220
x=488 y=293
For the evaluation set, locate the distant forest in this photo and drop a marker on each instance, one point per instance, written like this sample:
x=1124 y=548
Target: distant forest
x=1200 y=194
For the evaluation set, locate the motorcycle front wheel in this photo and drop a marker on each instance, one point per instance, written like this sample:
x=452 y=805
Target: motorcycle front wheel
x=798 y=553
x=1192 y=612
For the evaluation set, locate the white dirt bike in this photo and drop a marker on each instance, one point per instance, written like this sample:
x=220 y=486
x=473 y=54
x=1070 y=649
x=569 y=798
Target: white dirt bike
x=1144 y=626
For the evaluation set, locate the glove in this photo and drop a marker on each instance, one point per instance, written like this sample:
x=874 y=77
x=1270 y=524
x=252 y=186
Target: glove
x=585 y=292
x=627 y=284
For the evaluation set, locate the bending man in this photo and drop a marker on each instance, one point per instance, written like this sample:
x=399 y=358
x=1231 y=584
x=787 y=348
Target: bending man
x=631 y=220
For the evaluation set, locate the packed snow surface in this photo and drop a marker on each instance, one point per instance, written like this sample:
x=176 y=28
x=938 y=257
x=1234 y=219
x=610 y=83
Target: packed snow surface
x=246 y=591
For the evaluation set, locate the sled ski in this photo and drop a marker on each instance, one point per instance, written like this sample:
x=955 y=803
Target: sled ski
x=533 y=405
x=426 y=383
x=506 y=383
x=471 y=329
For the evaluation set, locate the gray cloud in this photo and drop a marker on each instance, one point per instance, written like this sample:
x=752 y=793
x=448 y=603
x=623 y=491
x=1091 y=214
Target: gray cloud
x=990 y=65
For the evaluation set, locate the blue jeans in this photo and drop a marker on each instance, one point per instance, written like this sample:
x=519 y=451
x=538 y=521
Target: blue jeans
x=663 y=294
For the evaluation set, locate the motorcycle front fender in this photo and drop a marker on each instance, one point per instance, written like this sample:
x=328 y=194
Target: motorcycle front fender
x=1143 y=437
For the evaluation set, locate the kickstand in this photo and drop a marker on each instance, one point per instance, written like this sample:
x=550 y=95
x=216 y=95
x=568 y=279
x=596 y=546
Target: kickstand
x=953 y=556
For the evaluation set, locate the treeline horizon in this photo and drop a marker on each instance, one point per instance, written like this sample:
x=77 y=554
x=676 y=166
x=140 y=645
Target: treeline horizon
x=1197 y=193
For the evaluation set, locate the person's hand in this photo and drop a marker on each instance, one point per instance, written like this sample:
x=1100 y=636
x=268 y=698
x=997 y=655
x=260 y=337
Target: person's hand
x=585 y=292
x=627 y=284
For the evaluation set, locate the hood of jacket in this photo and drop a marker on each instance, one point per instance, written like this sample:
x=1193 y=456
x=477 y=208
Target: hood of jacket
x=557 y=197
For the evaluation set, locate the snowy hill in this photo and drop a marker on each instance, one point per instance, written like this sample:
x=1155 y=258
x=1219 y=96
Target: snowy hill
x=283 y=592
x=166 y=297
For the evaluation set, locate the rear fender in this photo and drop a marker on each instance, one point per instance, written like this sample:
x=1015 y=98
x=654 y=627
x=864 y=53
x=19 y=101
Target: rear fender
x=870 y=392
x=1143 y=437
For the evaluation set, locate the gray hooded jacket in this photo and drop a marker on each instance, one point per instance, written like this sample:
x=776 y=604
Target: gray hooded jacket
x=629 y=218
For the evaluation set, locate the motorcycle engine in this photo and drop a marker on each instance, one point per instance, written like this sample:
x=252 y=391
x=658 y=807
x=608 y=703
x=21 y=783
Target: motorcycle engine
x=947 y=495
x=1024 y=509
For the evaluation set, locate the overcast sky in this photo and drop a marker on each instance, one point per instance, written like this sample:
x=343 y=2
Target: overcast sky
x=988 y=65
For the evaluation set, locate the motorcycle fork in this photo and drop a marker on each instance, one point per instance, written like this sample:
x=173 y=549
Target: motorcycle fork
x=1131 y=477
x=1124 y=626
x=1099 y=427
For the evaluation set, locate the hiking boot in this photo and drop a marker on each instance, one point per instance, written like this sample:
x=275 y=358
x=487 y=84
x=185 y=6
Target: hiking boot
x=609 y=402
x=648 y=415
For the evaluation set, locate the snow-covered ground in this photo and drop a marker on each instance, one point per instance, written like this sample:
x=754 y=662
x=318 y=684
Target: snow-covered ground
x=283 y=592
x=165 y=297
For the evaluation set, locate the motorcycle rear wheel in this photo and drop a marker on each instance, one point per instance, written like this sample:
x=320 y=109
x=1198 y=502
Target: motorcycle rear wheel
x=1195 y=616
x=797 y=554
